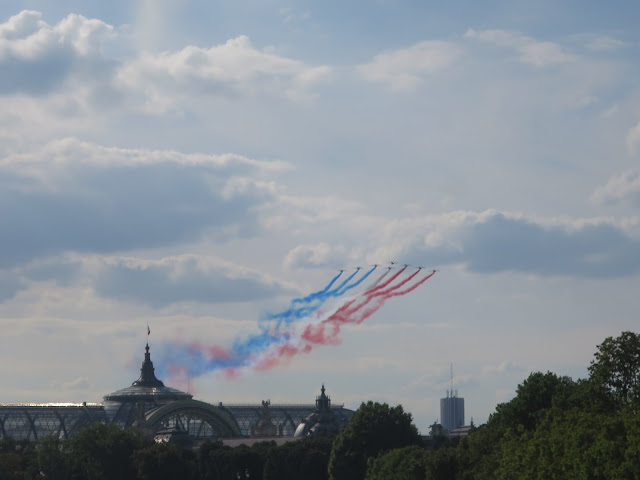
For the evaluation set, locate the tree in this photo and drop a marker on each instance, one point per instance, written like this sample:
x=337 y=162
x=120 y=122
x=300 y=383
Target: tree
x=164 y=461
x=104 y=451
x=408 y=463
x=220 y=462
x=307 y=458
x=10 y=460
x=16 y=458
x=575 y=445
x=374 y=428
x=537 y=396
x=534 y=399
x=615 y=371
x=51 y=462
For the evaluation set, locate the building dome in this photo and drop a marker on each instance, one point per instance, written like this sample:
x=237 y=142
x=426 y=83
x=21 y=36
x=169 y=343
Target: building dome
x=322 y=422
x=147 y=388
x=128 y=404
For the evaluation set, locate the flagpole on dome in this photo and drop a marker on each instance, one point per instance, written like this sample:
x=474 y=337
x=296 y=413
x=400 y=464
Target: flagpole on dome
x=148 y=333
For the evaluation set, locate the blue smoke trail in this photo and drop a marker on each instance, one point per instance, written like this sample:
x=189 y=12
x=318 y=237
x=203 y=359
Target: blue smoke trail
x=201 y=360
x=292 y=314
x=349 y=287
x=321 y=295
x=312 y=296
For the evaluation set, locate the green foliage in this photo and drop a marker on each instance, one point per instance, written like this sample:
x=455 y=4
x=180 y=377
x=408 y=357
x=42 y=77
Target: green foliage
x=576 y=445
x=478 y=455
x=414 y=463
x=219 y=462
x=533 y=401
x=10 y=466
x=615 y=371
x=307 y=458
x=374 y=428
x=51 y=462
x=15 y=458
x=10 y=460
x=104 y=452
x=443 y=464
x=408 y=463
x=162 y=461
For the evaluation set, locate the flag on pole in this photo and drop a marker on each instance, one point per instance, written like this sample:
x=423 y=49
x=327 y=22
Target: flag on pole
x=148 y=330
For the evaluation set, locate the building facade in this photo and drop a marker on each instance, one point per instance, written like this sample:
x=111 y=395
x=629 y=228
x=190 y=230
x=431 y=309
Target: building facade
x=155 y=408
x=452 y=411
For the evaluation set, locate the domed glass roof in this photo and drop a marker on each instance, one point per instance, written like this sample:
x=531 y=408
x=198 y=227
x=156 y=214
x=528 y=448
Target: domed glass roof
x=147 y=388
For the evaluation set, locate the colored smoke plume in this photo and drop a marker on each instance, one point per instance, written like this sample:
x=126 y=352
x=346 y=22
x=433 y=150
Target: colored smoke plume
x=309 y=321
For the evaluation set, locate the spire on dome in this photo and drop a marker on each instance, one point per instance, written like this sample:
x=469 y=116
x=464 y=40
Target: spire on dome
x=147 y=372
x=323 y=402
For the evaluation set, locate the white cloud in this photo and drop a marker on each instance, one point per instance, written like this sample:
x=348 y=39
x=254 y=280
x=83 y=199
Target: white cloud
x=79 y=383
x=625 y=186
x=183 y=278
x=633 y=138
x=319 y=255
x=36 y=57
x=604 y=43
x=405 y=69
x=102 y=199
x=494 y=241
x=234 y=68
x=59 y=157
x=506 y=367
x=289 y=15
x=532 y=52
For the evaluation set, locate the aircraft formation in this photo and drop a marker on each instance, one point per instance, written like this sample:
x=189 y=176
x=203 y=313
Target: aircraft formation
x=308 y=322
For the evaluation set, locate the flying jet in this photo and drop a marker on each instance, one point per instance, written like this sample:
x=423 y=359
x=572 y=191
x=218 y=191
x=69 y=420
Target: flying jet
x=421 y=267
x=358 y=268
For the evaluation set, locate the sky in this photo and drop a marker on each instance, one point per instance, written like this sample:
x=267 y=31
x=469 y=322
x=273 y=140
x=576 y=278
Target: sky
x=195 y=166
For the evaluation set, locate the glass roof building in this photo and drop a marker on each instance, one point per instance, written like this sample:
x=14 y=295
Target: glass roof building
x=153 y=407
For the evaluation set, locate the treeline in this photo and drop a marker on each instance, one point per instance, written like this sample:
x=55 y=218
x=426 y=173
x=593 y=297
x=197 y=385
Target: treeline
x=107 y=452
x=554 y=428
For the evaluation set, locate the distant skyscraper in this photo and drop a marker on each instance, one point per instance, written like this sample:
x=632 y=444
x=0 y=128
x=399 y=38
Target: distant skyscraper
x=452 y=411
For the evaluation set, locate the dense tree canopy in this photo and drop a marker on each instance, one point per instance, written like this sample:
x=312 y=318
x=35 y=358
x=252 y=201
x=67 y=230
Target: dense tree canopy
x=615 y=370
x=307 y=458
x=104 y=452
x=373 y=428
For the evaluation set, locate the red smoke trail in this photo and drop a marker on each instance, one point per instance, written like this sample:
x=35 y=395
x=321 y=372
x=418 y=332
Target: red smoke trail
x=216 y=351
x=380 y=293
x=283 y=352
x=327 y=331
x=412 y=287
x=344 y=309
x=382 y=285
x=382 y=297
x=318 y=334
